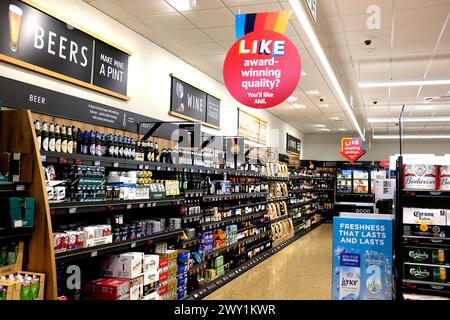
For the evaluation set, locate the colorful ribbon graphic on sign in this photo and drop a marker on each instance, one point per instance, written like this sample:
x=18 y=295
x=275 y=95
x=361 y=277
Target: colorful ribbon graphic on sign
x=352 y=149
x=263 y=67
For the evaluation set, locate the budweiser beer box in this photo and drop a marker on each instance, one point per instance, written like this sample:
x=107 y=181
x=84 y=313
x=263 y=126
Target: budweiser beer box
x=60 y=241
x=420 y=177
x=444 y=178
x=114 y=289
x=127 y=266
x=424 y=222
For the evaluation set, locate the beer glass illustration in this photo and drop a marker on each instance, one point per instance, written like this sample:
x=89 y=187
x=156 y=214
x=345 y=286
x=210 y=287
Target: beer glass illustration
x=15 y=24
x=180 y=94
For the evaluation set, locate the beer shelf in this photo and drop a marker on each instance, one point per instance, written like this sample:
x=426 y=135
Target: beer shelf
x=427 y=264
x=232 y=274
x=79 y=159
x=276 y=178
x=301 y=204
x=428 y=241
x=197 y=268
x=14 y=187
x=264 y=243
x=233 y=196
x=189 y=243
x=230 y=220
x=113 y=205
x=192 y=218
x=245 y=241
x=19 y=233
x=112 y=247
x=438 y=284
x=426 y=193
x=243 y=205
x=309 y=191
x=193 y=193
x=275 y=199
x=278 y=219
x=310 y=178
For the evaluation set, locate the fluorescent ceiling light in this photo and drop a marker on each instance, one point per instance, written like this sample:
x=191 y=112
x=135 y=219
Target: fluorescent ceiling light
x=394 y=83
x=396 y=137
x=307 y=27
x=325 y=105
x=313 y=92
x=183 y=5
x=342 y=129
x=291 y=98
x=319 y=125
x=335 y=118
x=299 y=106
x=418 y=119
x=325 y=130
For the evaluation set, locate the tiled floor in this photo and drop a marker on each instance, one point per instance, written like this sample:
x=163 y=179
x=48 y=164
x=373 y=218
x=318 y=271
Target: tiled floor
x=301 y=271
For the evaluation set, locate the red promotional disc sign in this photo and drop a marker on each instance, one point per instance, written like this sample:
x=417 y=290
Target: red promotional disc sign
x=262 y=69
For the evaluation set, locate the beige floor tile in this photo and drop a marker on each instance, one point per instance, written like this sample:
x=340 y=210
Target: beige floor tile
x=301 y=271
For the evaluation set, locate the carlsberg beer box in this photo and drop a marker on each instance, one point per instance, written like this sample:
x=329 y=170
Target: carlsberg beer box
x=420 y=177
x=424 y=222
x=427 y=255
x=420 y=272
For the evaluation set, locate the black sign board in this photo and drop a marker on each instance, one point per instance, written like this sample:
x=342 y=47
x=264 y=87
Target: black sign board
x=20 y=95
x=35 y=40
x=293 y=144
x=191 y=103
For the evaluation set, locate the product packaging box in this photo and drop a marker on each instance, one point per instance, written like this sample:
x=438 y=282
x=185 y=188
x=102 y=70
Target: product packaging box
x=60 y=241
x=150 y=288
x=21 y=212
x=183 y=268
x=424 y=222
x=183 y=256
x=126 y=266
x=152 y=296
x=137 y=288
x=427 y=255
x=437 y=274
x=163 y=277
x=114 y=289
x=91 y=289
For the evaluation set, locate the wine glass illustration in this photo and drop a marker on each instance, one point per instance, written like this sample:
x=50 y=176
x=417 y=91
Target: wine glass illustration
x=180 y=95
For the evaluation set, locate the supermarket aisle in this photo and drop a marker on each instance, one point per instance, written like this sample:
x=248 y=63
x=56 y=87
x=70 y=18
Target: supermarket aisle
x=302 y=271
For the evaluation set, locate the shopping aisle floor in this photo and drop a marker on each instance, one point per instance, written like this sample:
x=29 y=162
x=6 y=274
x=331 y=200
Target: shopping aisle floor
x=301 y=271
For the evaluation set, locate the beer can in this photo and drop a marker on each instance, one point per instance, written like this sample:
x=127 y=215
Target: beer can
x=445 y=178
x=420 y=177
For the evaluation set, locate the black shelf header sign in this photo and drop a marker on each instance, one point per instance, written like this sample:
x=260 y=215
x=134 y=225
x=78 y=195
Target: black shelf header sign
x=190 y=103
x=20 y=95
x=293 y=144
x=33 y=39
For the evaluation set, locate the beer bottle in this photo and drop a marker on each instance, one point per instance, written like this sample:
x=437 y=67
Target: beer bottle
x=151 y=154
x=57 y=138
x=116 y=146
x=126 y=148
x=85 y=144
x=103 y=143
x=156 y=152
x=133 y=150
x=91 y=143
x=120 y=143
x=64 y=139
x=74 y=140
x=98 y=144
x=138 y=151
x=69 y=139
x=45 y=136
x=52 y=138
x=37 y=126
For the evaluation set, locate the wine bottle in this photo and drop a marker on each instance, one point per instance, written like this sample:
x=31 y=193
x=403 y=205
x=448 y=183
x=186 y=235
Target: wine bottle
x=91 y=144
x=45 y=137
x=57 y=138
x=156 y=152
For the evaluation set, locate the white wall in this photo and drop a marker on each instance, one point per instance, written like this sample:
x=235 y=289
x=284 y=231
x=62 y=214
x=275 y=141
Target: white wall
x=326 y=147
x=148 y=79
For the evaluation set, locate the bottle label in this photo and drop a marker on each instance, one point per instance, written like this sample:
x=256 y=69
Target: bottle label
x=125 y=152
x=111 y=150
x=58 y=145
x=45 y=144
x=39 y=142
x=84 y=149
x=92 y=149
x=116 y=151
x=121 y=151
x=70 y=147
x=99 y=150
x=64 y=146
x=51 y=145
x=133 y=153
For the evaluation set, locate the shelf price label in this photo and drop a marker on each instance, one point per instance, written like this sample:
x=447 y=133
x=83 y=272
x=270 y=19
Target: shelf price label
x=97 y=163
x=94 y=253
x=129 y=206
x=133 y=245
x=20 y=187
x=72 y=210
x=115 y=164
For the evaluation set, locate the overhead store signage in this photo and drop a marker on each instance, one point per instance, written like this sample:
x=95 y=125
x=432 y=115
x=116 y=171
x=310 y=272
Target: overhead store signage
x=32 y=39
x=293 y=144
x=252 y=128
x=312 y=6
x=362 y=257
x=190 y=103
x=20 y=95
x=262 y=69
x=352 y=149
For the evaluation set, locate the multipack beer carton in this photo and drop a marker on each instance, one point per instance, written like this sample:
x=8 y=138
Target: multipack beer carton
x=427 y=255
x=424 y=222
x=420 y=177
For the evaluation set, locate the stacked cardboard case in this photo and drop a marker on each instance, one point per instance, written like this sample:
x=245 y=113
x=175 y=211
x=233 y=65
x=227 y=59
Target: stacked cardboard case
x=182 y=273
x=167 y=287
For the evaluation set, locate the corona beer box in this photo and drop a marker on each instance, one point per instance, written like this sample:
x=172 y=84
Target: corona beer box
x=425 y=222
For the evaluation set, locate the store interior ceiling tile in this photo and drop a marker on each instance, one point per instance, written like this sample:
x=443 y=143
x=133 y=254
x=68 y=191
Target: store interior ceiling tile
x=411 y=43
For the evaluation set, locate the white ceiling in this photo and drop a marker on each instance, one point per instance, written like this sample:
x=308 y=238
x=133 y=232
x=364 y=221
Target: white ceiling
x=402 y=49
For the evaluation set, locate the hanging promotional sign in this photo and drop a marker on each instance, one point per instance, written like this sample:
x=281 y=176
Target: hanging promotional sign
x=352 y=149
x=362 y=258
x=262 y=69
x=35 y=40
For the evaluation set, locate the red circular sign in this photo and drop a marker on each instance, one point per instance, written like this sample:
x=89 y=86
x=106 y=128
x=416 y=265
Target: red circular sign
x=262 y=69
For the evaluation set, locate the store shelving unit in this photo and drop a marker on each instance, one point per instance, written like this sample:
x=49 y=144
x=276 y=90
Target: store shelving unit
x=434 y=285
